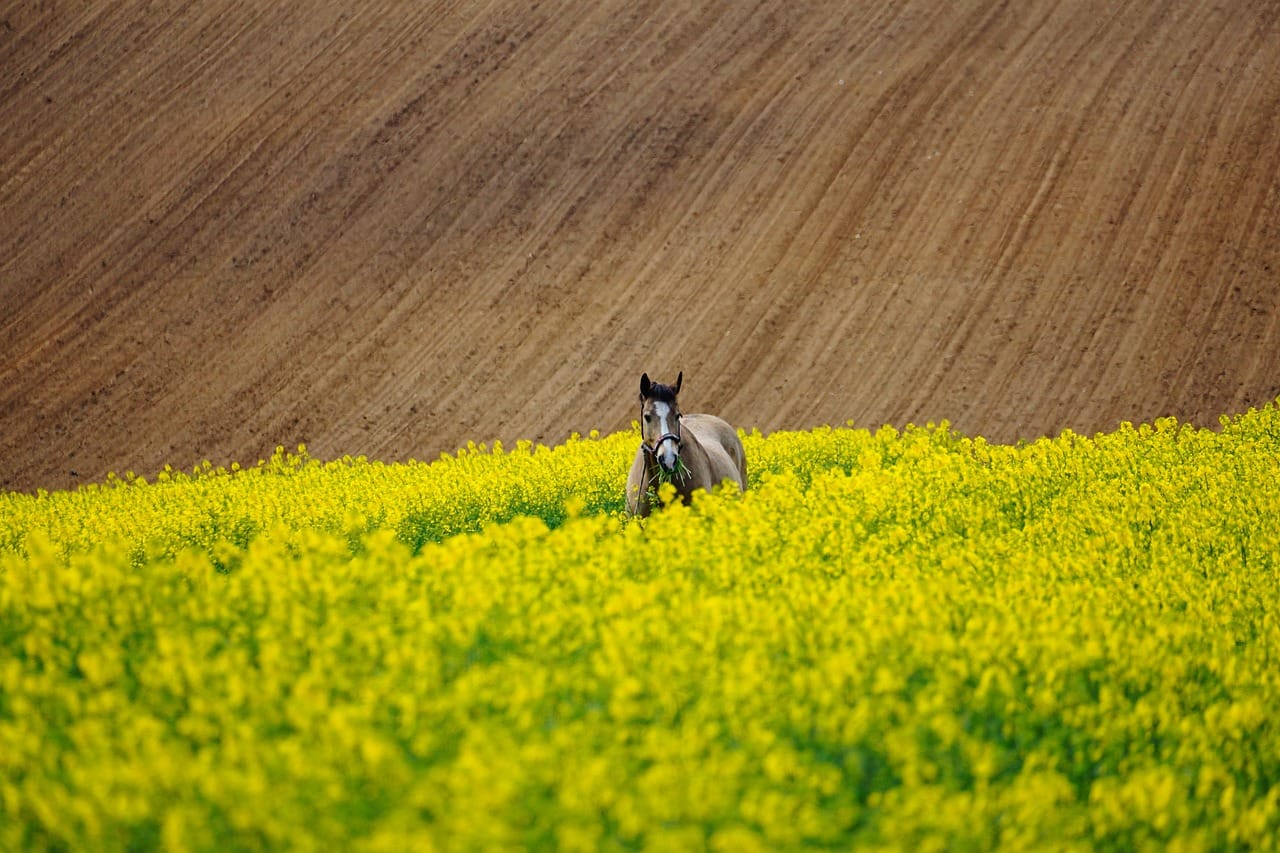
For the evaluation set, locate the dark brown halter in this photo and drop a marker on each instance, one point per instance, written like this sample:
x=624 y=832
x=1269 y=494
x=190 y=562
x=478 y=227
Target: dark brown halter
x=670 y=436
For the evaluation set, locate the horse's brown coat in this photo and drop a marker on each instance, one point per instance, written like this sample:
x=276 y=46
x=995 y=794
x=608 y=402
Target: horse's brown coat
x=710 y=450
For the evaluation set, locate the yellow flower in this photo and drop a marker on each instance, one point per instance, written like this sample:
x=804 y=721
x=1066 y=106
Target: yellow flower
x=900 y=638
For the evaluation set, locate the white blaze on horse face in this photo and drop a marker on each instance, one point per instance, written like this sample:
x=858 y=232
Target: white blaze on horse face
x=663 y=413
x=667 y=452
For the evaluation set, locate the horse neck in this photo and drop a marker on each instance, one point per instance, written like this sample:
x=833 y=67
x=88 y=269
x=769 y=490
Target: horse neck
x=690 y=442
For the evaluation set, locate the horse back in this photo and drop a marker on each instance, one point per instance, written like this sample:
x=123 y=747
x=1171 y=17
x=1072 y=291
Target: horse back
x=720 y=442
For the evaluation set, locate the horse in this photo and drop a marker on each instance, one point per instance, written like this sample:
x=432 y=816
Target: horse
x=691 y=451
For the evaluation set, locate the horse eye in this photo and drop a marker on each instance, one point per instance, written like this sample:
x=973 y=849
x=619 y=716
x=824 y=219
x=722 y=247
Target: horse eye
x=648 y=418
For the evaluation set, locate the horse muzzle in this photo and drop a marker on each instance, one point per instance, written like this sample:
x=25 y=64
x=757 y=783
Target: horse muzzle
x=667 y=456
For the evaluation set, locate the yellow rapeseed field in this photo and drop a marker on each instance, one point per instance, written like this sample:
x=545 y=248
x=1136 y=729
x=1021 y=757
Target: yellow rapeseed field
x=894 y=640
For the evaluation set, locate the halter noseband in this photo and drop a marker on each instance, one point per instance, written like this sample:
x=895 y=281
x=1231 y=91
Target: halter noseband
x=653 y=451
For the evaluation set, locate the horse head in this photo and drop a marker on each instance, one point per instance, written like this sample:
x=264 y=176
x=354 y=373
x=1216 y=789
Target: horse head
x=660 y=422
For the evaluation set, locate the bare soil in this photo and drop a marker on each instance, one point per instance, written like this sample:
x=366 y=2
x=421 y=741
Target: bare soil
x=389 y=228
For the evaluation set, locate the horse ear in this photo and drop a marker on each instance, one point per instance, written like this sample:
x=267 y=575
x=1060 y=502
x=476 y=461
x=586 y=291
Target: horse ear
x=645 y=386
x=679 y=380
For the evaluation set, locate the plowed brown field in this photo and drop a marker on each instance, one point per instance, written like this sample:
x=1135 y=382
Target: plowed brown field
x=387 y=228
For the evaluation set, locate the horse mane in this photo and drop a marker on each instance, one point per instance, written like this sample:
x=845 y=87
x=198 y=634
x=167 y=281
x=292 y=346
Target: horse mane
x=662 y=393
